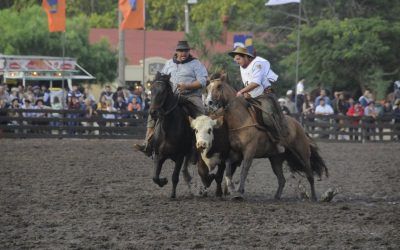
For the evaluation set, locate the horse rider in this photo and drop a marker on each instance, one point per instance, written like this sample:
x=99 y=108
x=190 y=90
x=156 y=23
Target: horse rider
x=188 y=77
x=257 y=76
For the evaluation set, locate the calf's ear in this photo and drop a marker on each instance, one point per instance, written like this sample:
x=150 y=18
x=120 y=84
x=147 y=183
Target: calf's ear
x=219 y=122
x=191 y=121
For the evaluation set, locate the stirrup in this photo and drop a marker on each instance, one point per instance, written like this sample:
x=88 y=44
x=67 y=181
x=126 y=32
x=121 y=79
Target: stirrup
x=144 y=148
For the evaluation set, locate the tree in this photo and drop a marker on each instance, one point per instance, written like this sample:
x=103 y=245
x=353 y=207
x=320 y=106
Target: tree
x=26 y=33
x=356 y=53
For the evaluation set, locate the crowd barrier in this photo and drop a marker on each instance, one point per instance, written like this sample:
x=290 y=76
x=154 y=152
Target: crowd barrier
x=48 y=123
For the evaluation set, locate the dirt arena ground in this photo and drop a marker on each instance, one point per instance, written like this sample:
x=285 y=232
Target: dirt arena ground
x=98 y=194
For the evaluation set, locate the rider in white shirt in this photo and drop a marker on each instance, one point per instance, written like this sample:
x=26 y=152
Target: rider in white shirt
x=257 y=77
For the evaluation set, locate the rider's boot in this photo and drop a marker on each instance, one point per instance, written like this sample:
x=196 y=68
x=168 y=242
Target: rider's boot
x=146 y=147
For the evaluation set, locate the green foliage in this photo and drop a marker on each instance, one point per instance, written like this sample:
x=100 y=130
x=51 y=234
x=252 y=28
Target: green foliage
x=348 y=54
x=26 y=33
x=165 y=14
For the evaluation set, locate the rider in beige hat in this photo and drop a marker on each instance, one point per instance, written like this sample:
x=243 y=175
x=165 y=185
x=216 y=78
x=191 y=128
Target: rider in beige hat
x=257 y=77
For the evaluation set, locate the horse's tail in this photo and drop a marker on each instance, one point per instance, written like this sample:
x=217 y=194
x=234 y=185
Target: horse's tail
x=318 y=165
x=297 y=164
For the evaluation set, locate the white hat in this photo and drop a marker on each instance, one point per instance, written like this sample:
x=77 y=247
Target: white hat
x=289 y=92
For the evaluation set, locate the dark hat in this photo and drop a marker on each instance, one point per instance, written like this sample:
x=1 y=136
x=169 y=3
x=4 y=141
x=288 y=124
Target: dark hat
x=182 y=45
x=240 y=51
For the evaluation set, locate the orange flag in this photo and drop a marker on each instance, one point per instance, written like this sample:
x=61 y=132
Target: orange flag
x=55 y=10
x=133 y=13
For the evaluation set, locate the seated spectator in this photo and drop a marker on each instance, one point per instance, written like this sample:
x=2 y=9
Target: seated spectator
x=74 y=105
x=109 y=116
x=45 y=92
x=74 y=92
x=323 y=109
x=14 y=113
x=56 y=105
x=14 y=95
x=356 y=111
x=385 y=116
x=396 y=114
x=106 y=94
x=322 y=95
x=39 y=105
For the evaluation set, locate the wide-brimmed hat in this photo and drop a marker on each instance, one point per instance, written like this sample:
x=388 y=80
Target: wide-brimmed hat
x=182 y=45
x=240 y=51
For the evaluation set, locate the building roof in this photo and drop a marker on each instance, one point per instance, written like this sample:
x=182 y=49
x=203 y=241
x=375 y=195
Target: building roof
x=158 y=43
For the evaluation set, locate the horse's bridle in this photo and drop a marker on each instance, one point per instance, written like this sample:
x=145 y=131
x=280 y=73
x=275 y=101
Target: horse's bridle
x=160 y=106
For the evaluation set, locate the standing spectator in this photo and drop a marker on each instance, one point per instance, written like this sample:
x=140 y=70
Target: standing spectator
x=3 y=93
x=14 y=95
x=74 y=92
x=300 y=96
x=36 y=93
x=385 y=116
x=340 y=107
x=370 y=113
x=133 y=107
x=322 y=95
x=356 y=111
x=365 y=98
x=45 y=92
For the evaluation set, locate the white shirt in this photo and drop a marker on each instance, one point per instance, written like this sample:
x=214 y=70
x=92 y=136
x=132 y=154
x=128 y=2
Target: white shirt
x=300 y=88
x=324 y=110
x=258 y=71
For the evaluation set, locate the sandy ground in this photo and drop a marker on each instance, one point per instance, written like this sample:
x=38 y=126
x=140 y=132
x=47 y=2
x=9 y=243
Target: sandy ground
x=98 y=194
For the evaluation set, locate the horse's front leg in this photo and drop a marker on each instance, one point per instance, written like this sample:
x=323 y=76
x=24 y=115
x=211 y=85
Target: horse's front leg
x=186 y=175
x=158 y=162
x=246 y=164
x=175 y=175
x=219 y=177
x=230 y=169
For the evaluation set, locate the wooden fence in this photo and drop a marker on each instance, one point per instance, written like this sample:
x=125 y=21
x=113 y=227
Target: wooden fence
x=48 y=123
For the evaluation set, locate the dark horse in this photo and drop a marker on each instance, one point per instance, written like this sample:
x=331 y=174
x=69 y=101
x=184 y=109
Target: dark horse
x=249 y=141
x=173 y=136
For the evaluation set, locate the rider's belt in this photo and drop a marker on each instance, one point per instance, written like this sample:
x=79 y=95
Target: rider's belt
x=268 y=90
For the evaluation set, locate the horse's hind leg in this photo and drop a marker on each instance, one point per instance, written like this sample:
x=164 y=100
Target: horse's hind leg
x=175 y=176
x=158 y=162
x=276 y=164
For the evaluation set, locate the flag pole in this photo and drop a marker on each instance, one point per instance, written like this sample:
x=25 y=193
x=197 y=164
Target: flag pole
x=298 y=45
x=144 y=45
x=121 y=52
x=62 y=70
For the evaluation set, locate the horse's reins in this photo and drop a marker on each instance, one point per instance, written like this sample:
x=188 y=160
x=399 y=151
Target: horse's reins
x=226 y=108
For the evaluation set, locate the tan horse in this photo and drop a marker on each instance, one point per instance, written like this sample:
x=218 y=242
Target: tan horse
x=248 y=141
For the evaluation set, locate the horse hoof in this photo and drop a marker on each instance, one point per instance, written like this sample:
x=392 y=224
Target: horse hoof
x=160 y=181
x=237 y=196
x=163 y=182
